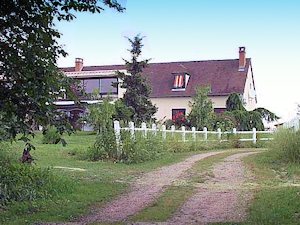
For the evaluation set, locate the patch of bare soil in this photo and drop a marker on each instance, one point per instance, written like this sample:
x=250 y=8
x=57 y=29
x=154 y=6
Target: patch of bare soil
x=143 y=192
x=222 y=198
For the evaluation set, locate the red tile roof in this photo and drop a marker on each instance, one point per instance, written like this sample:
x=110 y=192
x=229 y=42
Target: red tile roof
x=222 y=75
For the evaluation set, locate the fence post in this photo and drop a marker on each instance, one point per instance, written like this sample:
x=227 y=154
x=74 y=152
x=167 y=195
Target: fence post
x=183 y=133
x=205 y=133
x=164 y=133
x=194 y=133
x=234 y=131
x=131 y=129
x=254 y=135
x=144 y=129
x=154 y=129
x=219 y=133
x=117 y=130
x=172 y=130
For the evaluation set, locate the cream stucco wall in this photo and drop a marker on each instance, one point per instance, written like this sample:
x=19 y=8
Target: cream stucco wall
x=249 y=96
x=165 y=105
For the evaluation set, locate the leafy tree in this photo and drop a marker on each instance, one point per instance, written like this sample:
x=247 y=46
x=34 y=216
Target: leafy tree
x=234 y=102
x=30 y=81
x=123 y=113
x=266 y=114
x=246 y=120
x=224 y=122
x=137 y=92
x=202 y=113
x=101 y=115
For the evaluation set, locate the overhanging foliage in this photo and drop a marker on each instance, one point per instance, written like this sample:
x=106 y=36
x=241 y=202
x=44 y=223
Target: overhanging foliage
x=30 y=81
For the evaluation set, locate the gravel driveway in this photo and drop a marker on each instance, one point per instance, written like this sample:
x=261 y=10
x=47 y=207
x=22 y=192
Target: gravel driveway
x=221 y=198
x=143 y=192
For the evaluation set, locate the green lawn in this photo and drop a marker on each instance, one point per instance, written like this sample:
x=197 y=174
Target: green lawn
x=98 y=182
x=276 y=200
x=94 y=183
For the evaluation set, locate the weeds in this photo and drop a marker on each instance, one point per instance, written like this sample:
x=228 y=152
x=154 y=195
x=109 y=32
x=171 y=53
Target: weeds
x=105 y=147
x=51 y=136
x=140 y=147
x=22 y=182
x=130 y=150
x=286 y=145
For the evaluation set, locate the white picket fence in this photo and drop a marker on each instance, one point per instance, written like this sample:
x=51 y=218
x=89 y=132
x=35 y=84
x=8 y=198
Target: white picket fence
x=183 y=132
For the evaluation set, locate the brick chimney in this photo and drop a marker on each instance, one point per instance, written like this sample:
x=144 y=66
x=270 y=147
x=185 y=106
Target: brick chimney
x=242 y=58
x=78 y=64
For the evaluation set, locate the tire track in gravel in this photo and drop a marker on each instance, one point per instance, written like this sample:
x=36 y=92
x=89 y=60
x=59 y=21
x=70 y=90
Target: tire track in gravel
x=143 y=192
x=220 y=199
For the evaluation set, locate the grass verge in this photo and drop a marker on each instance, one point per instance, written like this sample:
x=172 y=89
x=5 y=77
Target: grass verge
x=276 y=200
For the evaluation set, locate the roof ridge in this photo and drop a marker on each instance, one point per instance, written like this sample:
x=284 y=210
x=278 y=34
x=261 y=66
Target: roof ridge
x=190 y=61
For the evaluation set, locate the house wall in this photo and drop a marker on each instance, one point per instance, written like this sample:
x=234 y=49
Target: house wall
x=249 y=96
x=165 y=105
x=121 y=91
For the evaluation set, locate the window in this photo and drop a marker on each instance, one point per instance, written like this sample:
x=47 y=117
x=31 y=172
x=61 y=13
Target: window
x=90 y=85
x=219 y=110
x=106 y=86
x=179 y=81
x=177 y=113
x=103 y=85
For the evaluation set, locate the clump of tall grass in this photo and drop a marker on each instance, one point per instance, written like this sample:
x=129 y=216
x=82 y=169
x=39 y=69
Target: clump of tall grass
x=130 y=149
x=139 y=148
x=23 y=182
x=286 y=145
x=105 y=147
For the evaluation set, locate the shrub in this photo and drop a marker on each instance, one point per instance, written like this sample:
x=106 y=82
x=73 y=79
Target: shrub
x=51 y=136
x=225 y=123
x=169 y=123
x=140 y=149
x=3 y=134
x=131 y=150
x=287 y=144
x=180 y=119
x=23 y=182
x=234 y=140
x=105 y=146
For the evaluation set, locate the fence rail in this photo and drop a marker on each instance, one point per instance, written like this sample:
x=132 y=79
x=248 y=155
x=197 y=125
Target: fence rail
x=163 y=131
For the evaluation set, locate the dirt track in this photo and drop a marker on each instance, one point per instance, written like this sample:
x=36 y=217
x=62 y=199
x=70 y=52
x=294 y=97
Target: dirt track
x=143 y=192
x=219 y=199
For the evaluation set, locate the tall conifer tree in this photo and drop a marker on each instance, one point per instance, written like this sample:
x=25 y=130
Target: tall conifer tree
x=137 y=92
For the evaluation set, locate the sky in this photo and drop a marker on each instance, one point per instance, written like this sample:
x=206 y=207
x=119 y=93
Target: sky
x=177 y=30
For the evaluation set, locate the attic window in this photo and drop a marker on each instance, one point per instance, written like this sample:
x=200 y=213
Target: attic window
x=180 y=81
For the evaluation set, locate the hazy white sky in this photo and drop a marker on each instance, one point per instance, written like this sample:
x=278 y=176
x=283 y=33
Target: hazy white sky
x=179 y=30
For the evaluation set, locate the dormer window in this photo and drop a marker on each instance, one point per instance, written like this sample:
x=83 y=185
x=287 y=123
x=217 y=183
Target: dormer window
x=180 y=81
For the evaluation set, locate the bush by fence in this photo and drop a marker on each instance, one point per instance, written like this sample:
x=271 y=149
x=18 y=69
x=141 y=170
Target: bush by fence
x=138 y=144
x=193 y=135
